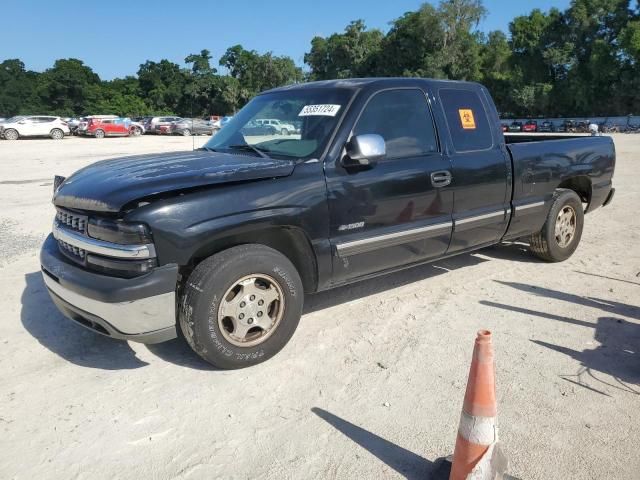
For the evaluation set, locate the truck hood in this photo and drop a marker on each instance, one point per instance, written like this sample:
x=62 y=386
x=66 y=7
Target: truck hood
x=109 y=185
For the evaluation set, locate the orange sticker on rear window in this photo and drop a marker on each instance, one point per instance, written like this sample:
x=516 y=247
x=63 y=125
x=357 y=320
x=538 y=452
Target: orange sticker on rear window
x=466 y=118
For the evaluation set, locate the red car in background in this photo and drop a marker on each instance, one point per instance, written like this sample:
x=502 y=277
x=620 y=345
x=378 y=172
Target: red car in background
x=530 y=126
x=107 y=127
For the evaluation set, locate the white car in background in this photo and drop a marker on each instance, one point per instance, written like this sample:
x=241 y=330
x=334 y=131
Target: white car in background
x=279 y=126
x=34 y=126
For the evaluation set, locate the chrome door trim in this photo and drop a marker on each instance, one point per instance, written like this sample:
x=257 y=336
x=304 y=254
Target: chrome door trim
x=101 y=247
x=368 y=244
x=477 y=218
x=528 y=206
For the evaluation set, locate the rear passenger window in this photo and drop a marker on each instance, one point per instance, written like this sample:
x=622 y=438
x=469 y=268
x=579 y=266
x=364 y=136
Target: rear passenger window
x=403 y=119
x=466 y=119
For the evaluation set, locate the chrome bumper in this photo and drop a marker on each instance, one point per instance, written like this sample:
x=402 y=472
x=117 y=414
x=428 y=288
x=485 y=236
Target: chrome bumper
x=147 y=320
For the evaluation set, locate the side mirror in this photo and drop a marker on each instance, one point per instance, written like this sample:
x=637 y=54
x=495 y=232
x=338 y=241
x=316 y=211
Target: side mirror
x=365 y=150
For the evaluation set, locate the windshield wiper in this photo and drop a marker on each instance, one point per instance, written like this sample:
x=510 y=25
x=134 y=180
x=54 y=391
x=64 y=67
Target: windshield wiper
x=248 y=147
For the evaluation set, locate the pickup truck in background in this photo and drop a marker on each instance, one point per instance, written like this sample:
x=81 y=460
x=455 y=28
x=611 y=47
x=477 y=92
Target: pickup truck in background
x=222 y=243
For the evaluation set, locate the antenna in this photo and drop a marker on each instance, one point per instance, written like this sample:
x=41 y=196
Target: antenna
x=193 y=137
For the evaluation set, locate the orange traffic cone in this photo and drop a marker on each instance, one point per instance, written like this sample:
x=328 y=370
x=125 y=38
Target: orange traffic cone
x=477 y=434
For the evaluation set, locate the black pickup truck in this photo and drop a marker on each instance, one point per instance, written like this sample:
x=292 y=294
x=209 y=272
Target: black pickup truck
x=222 y=243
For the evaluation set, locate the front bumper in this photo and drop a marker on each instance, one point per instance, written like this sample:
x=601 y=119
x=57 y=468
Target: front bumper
x=141 y=309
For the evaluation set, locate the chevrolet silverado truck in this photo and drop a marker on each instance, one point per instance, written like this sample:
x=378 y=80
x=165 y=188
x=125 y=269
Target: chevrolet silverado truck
x=221 y=244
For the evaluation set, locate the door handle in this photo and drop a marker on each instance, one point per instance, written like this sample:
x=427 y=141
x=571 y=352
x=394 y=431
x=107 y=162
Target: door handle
x=441 y=178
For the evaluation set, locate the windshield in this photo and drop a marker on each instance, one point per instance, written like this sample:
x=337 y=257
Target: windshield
x=15 y=119
x=288 y=124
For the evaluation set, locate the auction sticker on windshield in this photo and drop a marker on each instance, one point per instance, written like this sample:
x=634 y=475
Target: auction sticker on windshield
x=466 y=117
x=326 y=110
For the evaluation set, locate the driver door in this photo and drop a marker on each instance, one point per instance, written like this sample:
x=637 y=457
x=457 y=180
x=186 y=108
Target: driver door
x=392 y=213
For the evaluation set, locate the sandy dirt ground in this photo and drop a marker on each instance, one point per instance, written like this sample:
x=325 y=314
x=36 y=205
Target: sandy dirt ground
x=370 y=386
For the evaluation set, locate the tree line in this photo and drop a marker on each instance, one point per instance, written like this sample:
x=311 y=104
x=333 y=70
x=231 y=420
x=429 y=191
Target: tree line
x=583 y=61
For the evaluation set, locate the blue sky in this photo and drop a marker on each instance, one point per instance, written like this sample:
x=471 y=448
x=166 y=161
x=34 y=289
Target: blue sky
x=114 y=37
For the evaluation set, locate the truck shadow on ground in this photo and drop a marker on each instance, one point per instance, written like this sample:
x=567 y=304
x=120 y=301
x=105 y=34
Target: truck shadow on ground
x=63 y=337
x=617 y=355
x=365 y=288
x=83 y=347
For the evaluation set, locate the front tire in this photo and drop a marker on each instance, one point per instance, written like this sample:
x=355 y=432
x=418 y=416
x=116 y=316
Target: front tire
x=186 y=132
x=56 y=134
x=99 y=134
x=562 y=230
x=241 y=306
x=11 y=134
x=135 y=131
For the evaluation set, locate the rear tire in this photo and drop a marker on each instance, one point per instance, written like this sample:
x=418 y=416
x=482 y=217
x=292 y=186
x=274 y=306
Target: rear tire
x=99 y=134
x=56 y=134
x=562 y=230
x=135 y=131
x=241 y=306
x=11 y=134
x=186 y=132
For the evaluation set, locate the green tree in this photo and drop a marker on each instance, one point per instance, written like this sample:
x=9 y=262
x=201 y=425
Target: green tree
x=162 y=85
x=17 y=88
x=69 y=87
x=256 y=73
x=344 y=55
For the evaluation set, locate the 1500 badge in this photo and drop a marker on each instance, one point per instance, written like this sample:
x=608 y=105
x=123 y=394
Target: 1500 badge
x=350 y=226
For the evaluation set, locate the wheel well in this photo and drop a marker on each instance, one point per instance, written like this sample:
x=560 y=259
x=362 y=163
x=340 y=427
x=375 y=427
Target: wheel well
x=581 y=185
x=289 y=241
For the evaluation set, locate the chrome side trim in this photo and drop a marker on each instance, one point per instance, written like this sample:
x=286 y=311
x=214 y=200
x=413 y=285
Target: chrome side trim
x=101 y=247
x=132 y=318
x=391 y=239
x=528 y=206
x=477 y=218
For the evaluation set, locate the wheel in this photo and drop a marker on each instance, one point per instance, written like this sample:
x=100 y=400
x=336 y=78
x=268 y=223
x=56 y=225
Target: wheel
x=186 y=132
x=135 y=131
x=284 y=131
x=562 y=230
x=56 y=134
x=99 y=134
x=241 y=306
x=11 y=134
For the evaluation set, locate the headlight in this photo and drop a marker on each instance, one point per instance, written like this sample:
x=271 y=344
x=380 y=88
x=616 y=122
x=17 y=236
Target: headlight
x=118 y=232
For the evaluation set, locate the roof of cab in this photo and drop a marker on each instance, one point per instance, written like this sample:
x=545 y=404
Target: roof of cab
x=357 y=83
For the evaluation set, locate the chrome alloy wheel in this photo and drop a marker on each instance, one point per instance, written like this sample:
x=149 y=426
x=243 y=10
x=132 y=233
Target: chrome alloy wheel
x=251 y=310
x=565 y=226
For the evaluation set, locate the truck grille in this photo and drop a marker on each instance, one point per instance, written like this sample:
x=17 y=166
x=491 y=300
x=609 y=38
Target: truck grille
x=72 y=220
x=75 y=253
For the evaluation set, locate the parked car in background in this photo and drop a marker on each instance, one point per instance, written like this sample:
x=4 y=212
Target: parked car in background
x=154 y=123
x=515 y=127
x=253 y=128
x=283 y=128
x=505 y=127
x=546 y=126
x=530 y=126
x=108 y=127
x=34 y=126
x=192 y=126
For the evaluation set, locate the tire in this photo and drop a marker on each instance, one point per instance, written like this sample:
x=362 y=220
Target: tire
x=99 y=134
x=11 y=134
x=135 y=131
x=562 y=230
x=186 y=132
x=284 y=132
x=225 y=283
x=57 y=134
